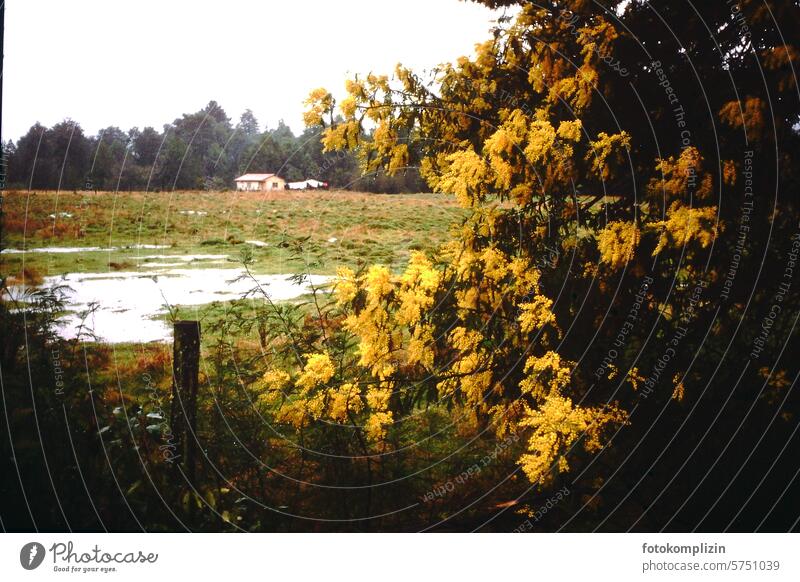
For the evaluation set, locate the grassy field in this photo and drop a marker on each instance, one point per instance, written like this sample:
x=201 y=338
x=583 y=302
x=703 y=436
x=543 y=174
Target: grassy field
x=343 y=228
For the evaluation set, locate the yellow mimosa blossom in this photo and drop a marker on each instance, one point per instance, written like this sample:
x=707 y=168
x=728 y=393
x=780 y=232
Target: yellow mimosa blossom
x=617 y=243
x=378 y=397
x=471 y=370
x=378 y=282
x=376 y=425
x=420 y=346
x=293 y=413
x=605 y=149
x=685 y=224
x=348 y=106
x=417 y=287
x=468 y=298
x=541 y=137
x=346 y=285
x=318 y=370
x=729 y=172
x=677 y=175
x=557 y=426
x=276 y=383
x=275 y=379
x=340 y=136
x=315 y=406
x=343 y=400
x=465 y=177
x=319 y=102
x=536 y=314
x=679 y=392
x=495 y=264
x=748 y=113
x=635 y=378
x=464 y=339
x=525 y=274
x=570 y=130
x=546 y=375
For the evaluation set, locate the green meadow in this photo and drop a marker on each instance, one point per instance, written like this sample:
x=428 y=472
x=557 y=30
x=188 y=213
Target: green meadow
x=285 y=232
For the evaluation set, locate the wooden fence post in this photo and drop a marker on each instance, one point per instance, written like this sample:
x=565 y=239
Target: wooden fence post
x=185 y=370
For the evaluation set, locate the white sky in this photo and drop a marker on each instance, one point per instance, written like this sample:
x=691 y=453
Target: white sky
x=109 y=62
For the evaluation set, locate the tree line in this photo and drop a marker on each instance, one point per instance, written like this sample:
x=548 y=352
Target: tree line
x=200 y=150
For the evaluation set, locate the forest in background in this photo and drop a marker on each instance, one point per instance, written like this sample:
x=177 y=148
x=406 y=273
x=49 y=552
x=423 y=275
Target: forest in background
x=203 y=150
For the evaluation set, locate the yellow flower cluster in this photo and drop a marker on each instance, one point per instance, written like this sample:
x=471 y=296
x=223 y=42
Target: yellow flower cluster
x=748 y=112
x=606 y=150
x=392 y=304
x=346 y=287
x=417 y=288
x=378 y=283
x=484 y=279
x=372 y=324
x=504 y=147
x=557 y=425
x=376 y=425
x=319 y=102
x=465 y=176
x=380 y=415
x=495 y=264
x=546 y=376
x=570 y=130
x=318 y=370
x=294 y=413
x=678 y=174
x=541 y=139
x=420 y=346
x=343 y=400
x=685 y=224
x=679 y=390
x=314 y=400
x=470 y=371
x=526 y=276
x=275 y=383
x=536 y=314
x=617 y=243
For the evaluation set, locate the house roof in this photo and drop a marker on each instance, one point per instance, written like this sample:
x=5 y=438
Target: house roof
x=254 y=177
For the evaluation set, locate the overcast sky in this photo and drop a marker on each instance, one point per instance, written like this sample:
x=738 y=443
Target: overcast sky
x=104 y=62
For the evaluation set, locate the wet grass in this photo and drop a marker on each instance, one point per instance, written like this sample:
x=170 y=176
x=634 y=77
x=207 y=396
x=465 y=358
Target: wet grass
x=339 y=228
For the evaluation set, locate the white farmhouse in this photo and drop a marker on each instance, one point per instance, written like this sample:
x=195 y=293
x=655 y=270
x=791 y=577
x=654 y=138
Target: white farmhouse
x=260 y=182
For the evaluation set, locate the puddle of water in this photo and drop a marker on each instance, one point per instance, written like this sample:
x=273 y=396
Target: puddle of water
x=257 y=243
x=56 y=250
x=80 y=249
x=128 y=301
x=184 y=258
x=156 y=265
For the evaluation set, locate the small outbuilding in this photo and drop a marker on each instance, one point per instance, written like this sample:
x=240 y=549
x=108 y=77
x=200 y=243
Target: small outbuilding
x=260 y=182
x=311 y=183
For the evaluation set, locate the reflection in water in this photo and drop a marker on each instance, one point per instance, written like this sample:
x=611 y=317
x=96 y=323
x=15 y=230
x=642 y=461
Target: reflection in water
x=128 y=302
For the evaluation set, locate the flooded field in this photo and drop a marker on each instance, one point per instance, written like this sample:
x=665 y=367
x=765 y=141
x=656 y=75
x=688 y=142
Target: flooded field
x=129 y=306
x=124 y=258
x=63 y=250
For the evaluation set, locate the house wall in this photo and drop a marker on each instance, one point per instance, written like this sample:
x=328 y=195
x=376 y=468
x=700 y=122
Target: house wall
x=273 y=183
